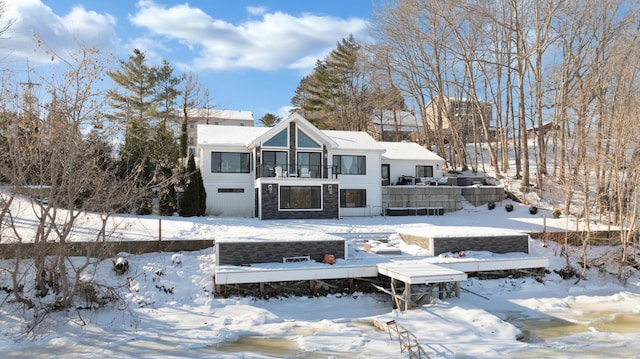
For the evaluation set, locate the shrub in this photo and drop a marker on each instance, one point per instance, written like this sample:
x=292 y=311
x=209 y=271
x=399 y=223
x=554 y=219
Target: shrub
x=556 y=213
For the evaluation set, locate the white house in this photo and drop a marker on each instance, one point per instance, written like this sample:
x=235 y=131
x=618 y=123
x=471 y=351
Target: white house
x=295 y=170
x=408 y=161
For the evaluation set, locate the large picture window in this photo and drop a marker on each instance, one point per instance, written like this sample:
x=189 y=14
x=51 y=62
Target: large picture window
x=230 y=162
x=353 y=198
x=424 y=171
x=350 y=165
x=300 y=197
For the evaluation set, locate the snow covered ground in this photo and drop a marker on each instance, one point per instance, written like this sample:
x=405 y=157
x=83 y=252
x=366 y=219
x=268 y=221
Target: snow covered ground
x=168 y=309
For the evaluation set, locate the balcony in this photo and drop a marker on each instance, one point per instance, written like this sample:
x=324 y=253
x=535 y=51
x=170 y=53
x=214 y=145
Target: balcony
x=299 y=171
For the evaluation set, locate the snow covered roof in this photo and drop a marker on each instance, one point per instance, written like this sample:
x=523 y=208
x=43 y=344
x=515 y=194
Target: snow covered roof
x=402 y=120
x=237 y=136
x=354 y=140
x=407 y=151
x=220 y=114
x=212 y=135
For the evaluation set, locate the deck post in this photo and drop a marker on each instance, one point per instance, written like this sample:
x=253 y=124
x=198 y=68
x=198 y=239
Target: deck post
x=407 y=296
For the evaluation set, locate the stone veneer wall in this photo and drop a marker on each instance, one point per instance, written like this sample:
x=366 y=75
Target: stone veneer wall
x=495 y=244
x=239 y=253
x=447 y=197
x=270 y=208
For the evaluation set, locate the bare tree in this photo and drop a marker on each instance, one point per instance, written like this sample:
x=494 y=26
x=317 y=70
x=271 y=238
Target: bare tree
x=65 y=177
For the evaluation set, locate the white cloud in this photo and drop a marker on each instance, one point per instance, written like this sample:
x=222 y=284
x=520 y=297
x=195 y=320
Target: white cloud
x=276 y=40
x=60 y=34
x=256 y=10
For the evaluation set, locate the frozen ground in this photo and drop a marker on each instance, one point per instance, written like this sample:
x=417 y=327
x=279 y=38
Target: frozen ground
x=167 y=308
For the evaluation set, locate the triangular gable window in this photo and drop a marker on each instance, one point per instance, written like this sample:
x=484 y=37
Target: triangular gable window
x=279 y=140
x=305 y=141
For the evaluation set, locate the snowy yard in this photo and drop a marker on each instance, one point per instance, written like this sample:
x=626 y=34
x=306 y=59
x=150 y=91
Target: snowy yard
x=166 y=308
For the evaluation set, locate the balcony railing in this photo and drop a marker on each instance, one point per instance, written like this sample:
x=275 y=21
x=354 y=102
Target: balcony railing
x=299 y=171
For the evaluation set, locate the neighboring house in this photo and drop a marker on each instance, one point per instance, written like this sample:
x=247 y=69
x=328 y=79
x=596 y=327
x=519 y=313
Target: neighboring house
x=204 y=116
x=459 y=117
x=396 y=126
x=291 y=170
x=409 y=163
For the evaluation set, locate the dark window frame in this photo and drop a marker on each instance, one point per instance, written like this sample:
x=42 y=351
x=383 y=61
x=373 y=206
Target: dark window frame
x=425 y=171
x=292 y=198
x=230 y=190
x=360 y=165
x=360 y=194
x=217 y=159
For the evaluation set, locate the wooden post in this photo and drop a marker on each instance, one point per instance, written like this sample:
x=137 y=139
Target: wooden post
x=407 y=296
x=441 y=291
x=456 y=286
x=159 y=234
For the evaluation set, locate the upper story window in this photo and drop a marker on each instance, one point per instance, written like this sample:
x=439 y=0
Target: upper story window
x=424 y=171
x=350 y=165
x=230 y=162
x=305 y=141
x=281 y=139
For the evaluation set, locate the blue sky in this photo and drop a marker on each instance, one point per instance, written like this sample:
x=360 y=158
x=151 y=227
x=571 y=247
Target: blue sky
x=251 y=55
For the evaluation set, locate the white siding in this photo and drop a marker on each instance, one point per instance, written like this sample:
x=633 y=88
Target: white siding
x=227 y=204
x=371 y=182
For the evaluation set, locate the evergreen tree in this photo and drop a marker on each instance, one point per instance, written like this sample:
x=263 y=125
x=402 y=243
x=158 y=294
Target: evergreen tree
x=194 y=202
x=135 y=106
x=269 y=120
x=336 y=95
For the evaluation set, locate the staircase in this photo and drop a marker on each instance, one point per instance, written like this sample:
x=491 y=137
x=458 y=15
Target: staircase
x=407 y=340
x=468 y=206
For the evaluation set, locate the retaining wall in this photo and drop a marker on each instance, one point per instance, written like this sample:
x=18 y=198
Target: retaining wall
x=248 y=252
x=447 y=197
x=102 y=249
x=495 y=244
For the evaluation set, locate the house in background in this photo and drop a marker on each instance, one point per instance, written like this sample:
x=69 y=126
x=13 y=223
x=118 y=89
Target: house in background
x=206 y=116
x=396 y=126
x=459 y=117
x=408 y=163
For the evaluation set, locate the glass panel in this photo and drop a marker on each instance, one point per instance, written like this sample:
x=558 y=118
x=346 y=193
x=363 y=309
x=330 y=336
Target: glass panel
x=279 y=140
x=230 y=162
x=271 y=160
x=424 y=171
x=312 y=161
x=300 y=197
x=305 y=141
x=350 y=165
x=385 y=175
x=353 y=198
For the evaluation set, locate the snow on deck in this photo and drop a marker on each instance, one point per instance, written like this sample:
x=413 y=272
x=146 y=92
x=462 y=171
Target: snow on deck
x=367 y=265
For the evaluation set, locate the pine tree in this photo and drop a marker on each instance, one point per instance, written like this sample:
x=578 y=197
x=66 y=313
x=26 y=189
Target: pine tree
x=336 y=94
x=269 y=120
x=194 y=202
x=135 y=106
